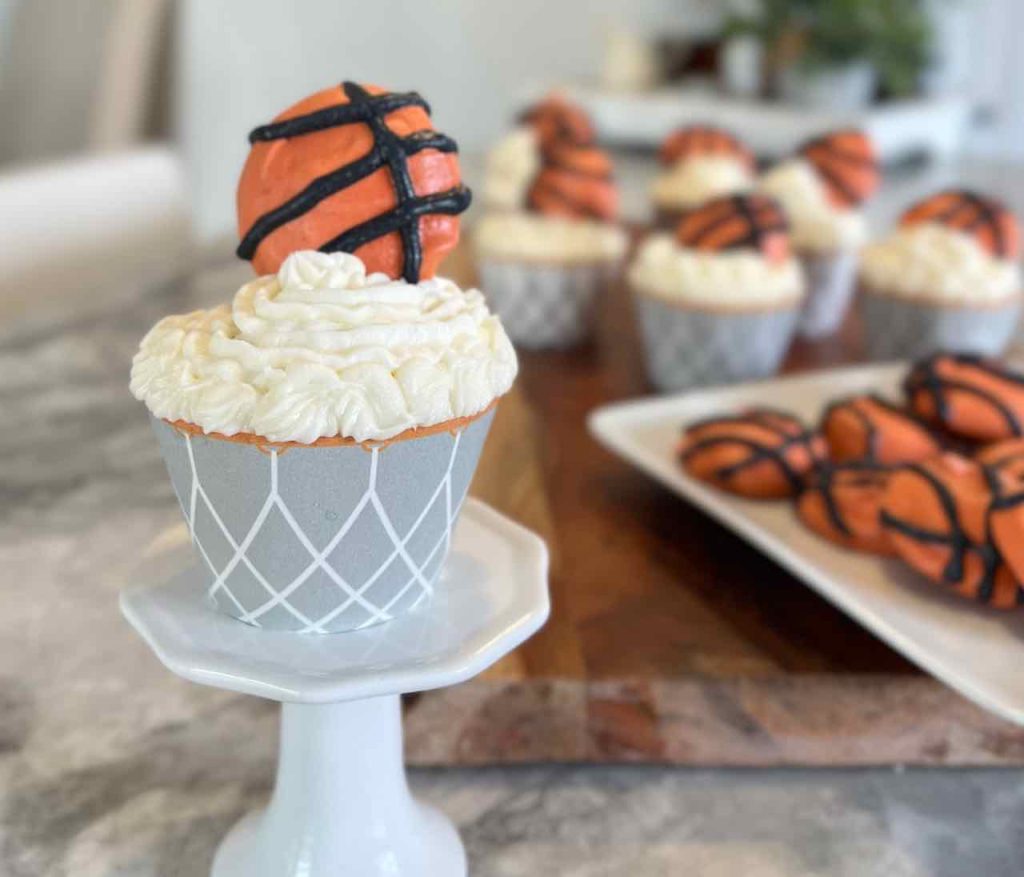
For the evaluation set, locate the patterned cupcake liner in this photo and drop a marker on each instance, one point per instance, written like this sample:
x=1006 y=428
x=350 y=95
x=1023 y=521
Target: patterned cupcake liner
x=689 y=347
x=901 y=328
x=321 y=539
x=544 y=305
x=831 y=279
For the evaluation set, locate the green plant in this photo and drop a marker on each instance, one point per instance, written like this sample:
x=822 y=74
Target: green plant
x=893 y=35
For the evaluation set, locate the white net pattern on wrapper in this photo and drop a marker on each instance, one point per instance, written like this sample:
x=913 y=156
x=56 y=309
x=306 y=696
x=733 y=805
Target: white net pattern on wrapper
x=352 y=595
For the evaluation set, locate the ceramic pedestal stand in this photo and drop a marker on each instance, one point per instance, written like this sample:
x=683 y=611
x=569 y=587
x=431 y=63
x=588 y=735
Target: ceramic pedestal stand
x=341 y=805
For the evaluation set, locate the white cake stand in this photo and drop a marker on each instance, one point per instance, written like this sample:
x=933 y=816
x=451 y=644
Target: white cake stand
x=341 y=805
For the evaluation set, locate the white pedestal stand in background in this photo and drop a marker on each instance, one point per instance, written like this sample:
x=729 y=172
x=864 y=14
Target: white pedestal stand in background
x=341 y=805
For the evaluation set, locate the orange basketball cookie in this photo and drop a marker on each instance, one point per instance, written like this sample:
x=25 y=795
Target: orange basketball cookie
x=871 y=428
x=557 y=120
x=937 y=517
x=1006 y=457
x=352 y=168
x=986 y=219
x=847 y=163
x=695 y=140
x=575 y=182
x=759 y=453
x=735 y=222
x=970 y=396
x=843 y=503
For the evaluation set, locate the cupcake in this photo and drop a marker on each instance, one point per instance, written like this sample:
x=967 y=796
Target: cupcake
x=699 y=163
x=321 y=429
x=946 y=279
x=822 y=189
x=718 y=300
x=548 y=242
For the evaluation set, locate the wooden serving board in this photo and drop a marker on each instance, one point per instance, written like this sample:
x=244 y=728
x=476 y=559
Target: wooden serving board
x=671 y=639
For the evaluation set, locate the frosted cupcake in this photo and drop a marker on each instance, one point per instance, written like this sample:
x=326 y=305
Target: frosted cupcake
x=322 y=428
x=718 y=301
x=823 y=189
x=699 y=163
x=946 y=279
x=548 y=243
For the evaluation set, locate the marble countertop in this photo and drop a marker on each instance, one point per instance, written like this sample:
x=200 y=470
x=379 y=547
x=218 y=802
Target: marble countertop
x=109 y=765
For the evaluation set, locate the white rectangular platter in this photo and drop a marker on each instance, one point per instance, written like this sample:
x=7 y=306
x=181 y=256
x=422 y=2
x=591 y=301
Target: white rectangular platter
x=977 y=651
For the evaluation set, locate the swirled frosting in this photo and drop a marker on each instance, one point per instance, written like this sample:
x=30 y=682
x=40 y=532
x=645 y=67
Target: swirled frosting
x=511 y=166
x=536 y=237
x=931 y=261
x=730 y=279
x=815 y=223
x=321 y=350
x=695 y=180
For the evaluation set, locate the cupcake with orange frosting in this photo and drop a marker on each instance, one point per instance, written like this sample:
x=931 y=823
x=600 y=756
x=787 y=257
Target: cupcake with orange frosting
x=719 y=298
x=946 y=279
x=823 y=189
x=699 y=163
x=321 y=428
x=549 y=240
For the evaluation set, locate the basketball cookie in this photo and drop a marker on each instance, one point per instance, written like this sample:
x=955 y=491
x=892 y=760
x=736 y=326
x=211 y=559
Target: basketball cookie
x=847 y=164
x=759 y=453
x=695 y=140
x=968 y=395
x=557 y=120
x=575 y=182
x=1006 y=457
x=985 y=219
x=842 y=502
x=873 y=429
x=937 y=516
x=737 y=222
x=352 y=168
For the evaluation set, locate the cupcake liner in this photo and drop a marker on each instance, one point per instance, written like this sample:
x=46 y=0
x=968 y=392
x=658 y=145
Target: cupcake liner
x=901 y=328
x=544 y=305
x=688 y=347
x=830 y=283
x=321 y=538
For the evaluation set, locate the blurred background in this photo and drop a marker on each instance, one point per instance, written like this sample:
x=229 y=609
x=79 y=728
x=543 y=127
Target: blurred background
x=125 y=120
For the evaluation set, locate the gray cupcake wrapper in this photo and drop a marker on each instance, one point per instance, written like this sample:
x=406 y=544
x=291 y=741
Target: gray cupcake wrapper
x=544 y=305
x=900 y=328
x=689 y=347
x=831 y=280
x=321 y=539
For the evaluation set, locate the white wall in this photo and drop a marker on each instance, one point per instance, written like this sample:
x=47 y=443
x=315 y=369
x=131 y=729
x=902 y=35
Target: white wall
x=242 y=61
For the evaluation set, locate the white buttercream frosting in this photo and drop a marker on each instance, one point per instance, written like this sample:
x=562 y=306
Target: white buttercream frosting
x=731 y=279
x=535 y=237
x=692 y=181
x=511 y=166
x=928 y=260
x=321 y=350
x=816 y=223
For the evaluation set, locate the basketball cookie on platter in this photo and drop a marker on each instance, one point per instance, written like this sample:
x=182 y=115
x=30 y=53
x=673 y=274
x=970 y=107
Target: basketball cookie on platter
x=758 y=453
x=700 y=162
x=842 y=502
x=970 y=396
x=937 y=516
x=870 y=428
x=946 y=279
x=1006 y=457
x=355 y=169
